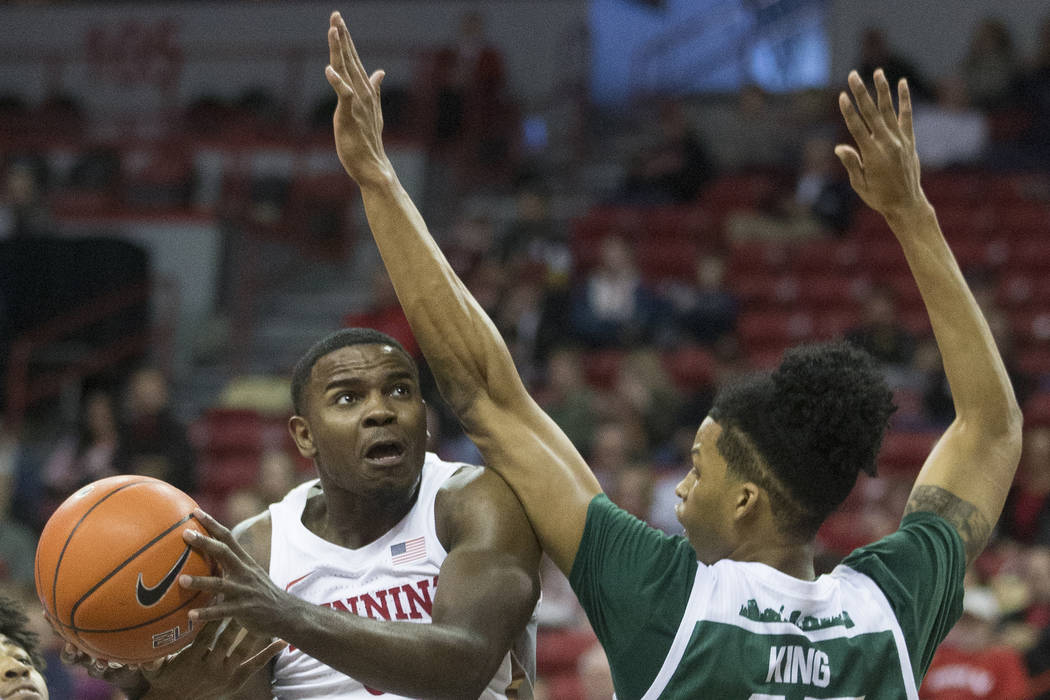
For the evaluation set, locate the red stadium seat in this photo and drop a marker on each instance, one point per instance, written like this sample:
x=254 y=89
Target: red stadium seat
x=832 y=291
x=600 y=367
x=826 y=256
x=905 y=452
x=691 y=367
x=557 y=650
x=1034 y=361
x=218 y=476
x=1036 y=410
x=761 y=329
x=760 y=290
x=229 y=430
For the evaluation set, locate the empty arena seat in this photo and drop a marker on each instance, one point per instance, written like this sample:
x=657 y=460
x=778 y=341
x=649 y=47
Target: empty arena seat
x=558 y=650
x=600 y=367
x=691 y=367
x=905 y=452
x=763 y=289
x=825 y=256
x=1036 y=410
x=759 y=329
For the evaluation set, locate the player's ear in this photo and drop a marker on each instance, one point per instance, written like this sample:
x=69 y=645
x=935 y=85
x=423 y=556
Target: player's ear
x=748 y=494
x=304 y=439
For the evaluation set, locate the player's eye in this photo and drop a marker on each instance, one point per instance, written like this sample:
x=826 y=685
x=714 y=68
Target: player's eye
x=345 y=398
x=402 y=390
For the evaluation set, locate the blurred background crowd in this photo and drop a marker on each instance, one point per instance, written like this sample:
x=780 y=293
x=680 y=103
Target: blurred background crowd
x=159 y=276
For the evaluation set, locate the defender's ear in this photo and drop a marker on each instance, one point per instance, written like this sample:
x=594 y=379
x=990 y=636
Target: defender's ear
x=748 y=496
x=304 y=440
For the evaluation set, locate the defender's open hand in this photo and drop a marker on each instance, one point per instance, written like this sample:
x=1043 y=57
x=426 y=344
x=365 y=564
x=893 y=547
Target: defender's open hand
x=358 y=119
x=884 y=166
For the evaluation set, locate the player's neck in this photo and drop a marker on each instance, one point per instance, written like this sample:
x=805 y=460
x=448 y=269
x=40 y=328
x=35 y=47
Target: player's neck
x=353 y=521
x=791 y=558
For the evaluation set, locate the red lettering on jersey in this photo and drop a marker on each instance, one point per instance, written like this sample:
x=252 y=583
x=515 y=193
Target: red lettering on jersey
x=395 y=595
x=372 y=606
x=422 y=598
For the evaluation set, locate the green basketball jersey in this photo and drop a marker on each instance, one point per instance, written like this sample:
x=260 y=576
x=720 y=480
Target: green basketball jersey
x=675 y=628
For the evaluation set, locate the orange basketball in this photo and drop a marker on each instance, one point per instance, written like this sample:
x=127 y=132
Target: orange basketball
x=107 y=568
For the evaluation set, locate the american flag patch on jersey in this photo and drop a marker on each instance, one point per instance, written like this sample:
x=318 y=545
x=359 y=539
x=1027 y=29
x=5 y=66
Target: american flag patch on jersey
x=407 y=551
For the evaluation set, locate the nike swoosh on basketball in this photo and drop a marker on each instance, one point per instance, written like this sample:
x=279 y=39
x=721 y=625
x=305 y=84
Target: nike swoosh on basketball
x=149 y=595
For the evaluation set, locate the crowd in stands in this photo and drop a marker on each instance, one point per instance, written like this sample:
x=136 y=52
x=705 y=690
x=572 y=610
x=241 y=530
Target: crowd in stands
x=626 y=317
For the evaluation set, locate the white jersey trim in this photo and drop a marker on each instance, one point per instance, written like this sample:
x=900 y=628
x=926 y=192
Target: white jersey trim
x=708 y=601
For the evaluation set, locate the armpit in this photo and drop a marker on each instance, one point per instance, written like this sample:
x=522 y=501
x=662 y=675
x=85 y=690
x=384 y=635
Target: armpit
x=972 y=526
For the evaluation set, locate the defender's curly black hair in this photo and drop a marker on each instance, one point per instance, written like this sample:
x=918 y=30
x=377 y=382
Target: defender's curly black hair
x=330 y=343
x=816 y=422
x=15 y=626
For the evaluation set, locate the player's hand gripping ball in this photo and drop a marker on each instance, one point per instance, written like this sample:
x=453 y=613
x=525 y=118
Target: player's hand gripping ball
x=107 y=567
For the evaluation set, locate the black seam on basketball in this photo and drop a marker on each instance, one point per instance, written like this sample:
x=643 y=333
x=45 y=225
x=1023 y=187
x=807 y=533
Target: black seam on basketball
x=111 y=574
x=65 y=545
x=86 y=630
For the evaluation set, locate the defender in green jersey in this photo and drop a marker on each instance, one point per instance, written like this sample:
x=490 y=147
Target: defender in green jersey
x=733 y=609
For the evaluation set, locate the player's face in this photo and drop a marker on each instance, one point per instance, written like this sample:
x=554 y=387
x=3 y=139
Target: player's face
x=367 y=420
x=19 y=679
x=706 y=505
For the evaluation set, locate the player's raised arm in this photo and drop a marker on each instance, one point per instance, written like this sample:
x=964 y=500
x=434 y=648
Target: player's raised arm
x=966 y=477
x=473 y=367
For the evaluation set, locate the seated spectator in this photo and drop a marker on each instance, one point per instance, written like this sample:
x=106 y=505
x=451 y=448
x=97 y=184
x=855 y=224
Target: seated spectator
x=611 y=306
x=277 y=475
x=750 y=134
x=17 y=541
x=822 y=202
x=675 y=168
x=1026 y=516
x=567 y=398
x=644 y=390
x=595 y=675
x=950 y=131
x=153 y=441
x=23 y=210
x=87 y=455
x=970 y=664
x=881 y=332
x=533 y=240
x=990 y=68
x=875 y=53
x=705 y=310
x=1035 y=94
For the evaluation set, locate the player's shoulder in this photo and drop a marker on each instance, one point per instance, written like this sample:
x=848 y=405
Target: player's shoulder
x=470 y=483
x=253 y=535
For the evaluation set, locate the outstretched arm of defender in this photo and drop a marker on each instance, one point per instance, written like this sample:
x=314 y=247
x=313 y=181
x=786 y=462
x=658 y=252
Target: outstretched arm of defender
x=472 y=364
x=966 y=477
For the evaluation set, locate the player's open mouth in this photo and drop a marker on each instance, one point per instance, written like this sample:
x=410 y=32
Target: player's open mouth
x=385 y=453
x=25 y=691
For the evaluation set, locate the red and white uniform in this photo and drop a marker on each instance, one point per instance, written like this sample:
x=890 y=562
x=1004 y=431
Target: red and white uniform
x=392 y=578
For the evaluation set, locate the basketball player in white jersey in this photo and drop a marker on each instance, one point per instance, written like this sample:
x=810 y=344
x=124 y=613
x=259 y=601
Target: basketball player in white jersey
x=347 y=566
x=734 y=609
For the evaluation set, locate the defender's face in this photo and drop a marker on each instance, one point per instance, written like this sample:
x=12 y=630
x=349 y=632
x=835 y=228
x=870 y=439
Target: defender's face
x=367 y=420
x=19 y=678
x=706 y=506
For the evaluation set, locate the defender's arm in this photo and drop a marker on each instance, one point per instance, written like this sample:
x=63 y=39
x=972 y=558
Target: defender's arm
x=472 y=364
x=967 y=475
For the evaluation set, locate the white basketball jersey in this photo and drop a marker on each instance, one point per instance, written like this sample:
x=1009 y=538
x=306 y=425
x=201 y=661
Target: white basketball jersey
x=392 y=578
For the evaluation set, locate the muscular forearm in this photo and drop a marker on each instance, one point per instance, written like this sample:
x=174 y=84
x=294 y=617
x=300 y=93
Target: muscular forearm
x=456 y=336
x=980 y=387
x=410 y=659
